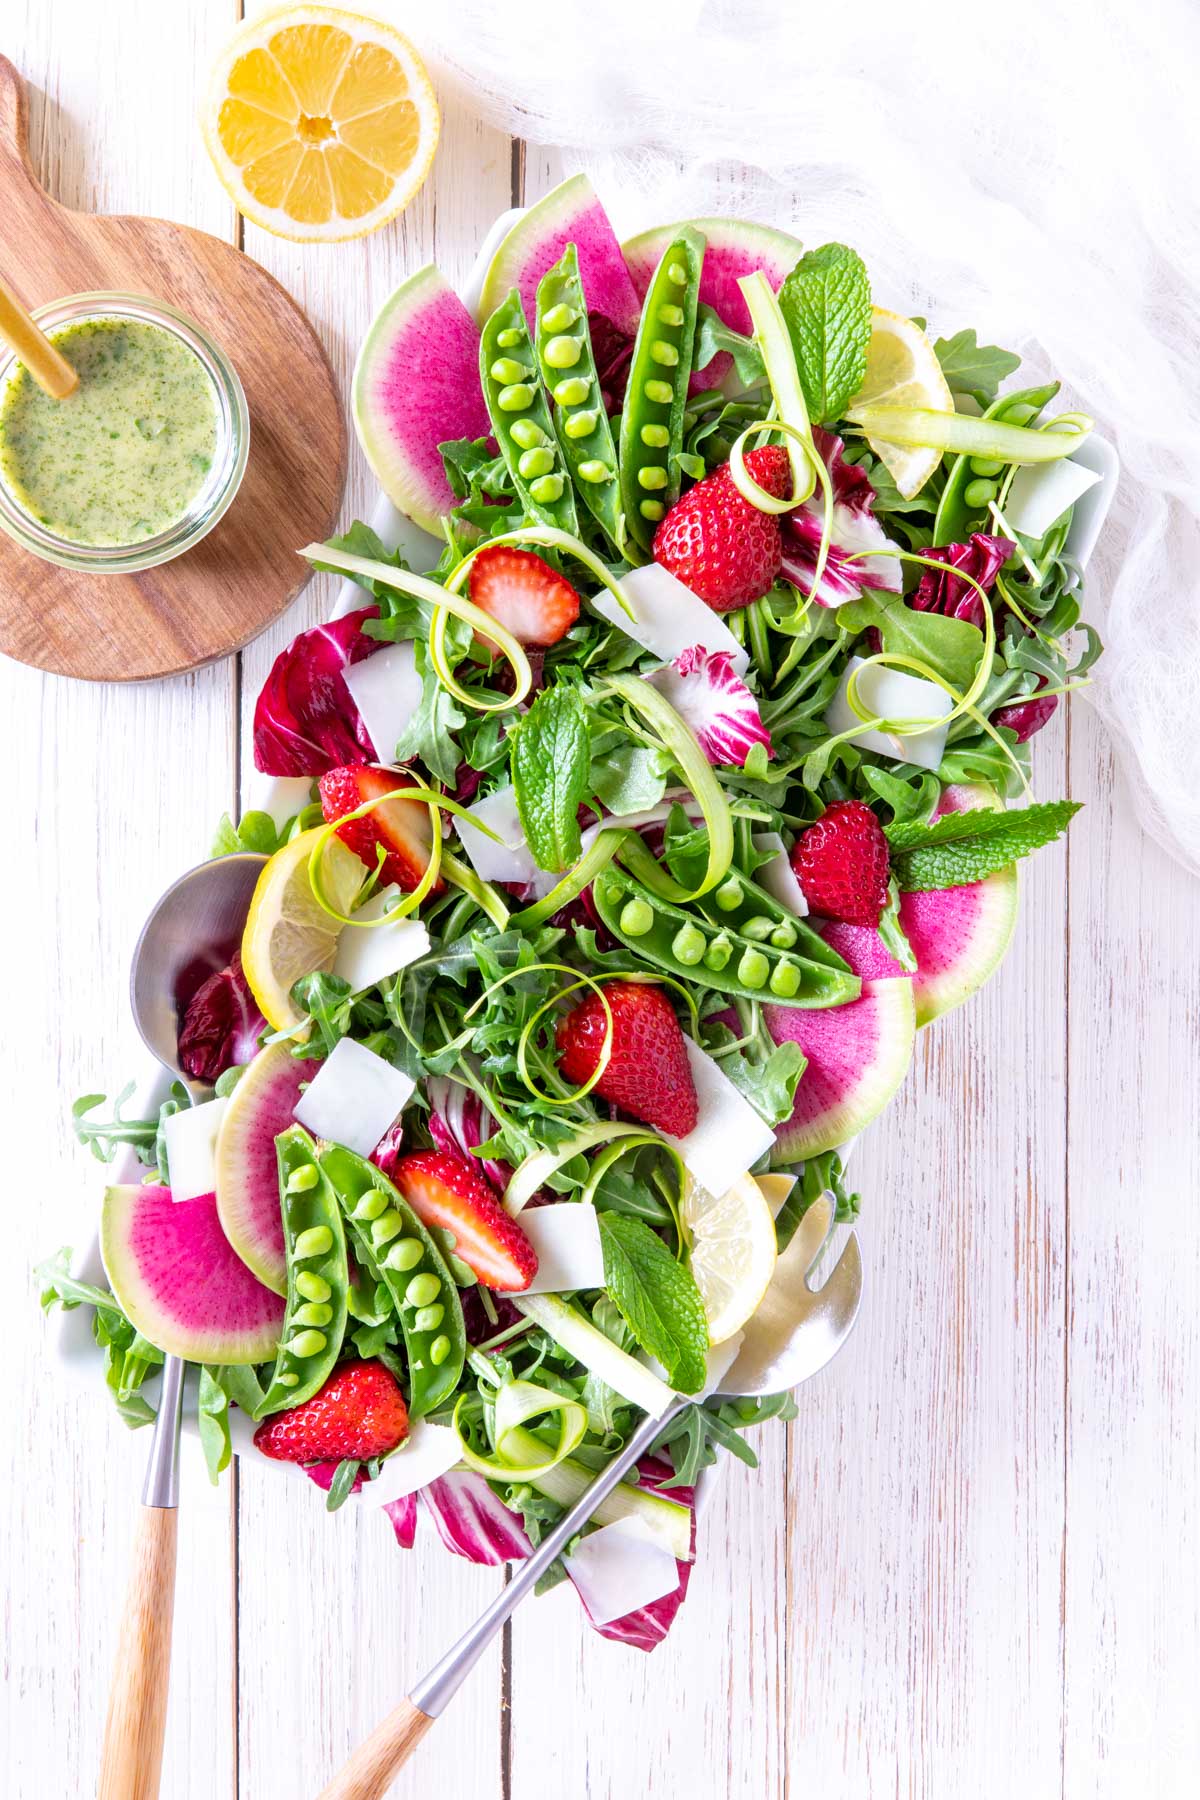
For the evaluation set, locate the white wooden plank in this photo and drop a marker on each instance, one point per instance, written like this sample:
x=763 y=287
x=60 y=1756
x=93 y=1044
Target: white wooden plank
x=364 y=1618
x=926 y=1473
x=1132 y=1553
x=114 y=790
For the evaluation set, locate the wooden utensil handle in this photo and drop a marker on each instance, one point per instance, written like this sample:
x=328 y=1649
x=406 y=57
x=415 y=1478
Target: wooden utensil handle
x=376 y=1763
x=137 y=1701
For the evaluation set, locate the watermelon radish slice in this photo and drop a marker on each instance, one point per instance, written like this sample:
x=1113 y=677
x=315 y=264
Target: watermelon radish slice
x=569 y=214
x=735 y=247
x=416 y=385
x=181 y=1283
x=958 y=935
x=857 y=1054
x=260 y=1107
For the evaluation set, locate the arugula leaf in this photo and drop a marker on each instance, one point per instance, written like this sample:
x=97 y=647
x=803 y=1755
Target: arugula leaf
x=974 y=368
x=342 y=1485
x=212 y=1417
x=713 y=336
x=328 y=1001
x=657 y=1297
x=549 y=758
x=769 y=1086
x=104 y=1137
x=473 y=471
x=819 y=1175
x=254 y=831
x=951 y=647
x=429 y=733
x=826 y=304
x=963 y=847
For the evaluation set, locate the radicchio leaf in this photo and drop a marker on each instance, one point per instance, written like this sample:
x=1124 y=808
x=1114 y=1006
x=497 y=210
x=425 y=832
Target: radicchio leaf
x=403 y=1515
x=854 y=527
x=458 y=1120
x=983 y=558
x=1026 y=717
x=221 y=1025
x=646 y=1628
x=305 y=722
x=472 y=1521
x=613 y=351
x=712 y=698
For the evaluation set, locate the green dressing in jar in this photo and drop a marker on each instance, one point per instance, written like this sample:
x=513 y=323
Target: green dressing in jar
x=122 y=458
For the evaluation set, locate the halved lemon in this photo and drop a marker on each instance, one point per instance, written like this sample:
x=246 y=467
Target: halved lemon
x=288 y=932
x=733 y=1252
x=321 y=124
x=902 y=370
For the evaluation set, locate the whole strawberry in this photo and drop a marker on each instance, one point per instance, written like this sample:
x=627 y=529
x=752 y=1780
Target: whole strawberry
x=841 y=862
x=717 y=544
x=648 y=1073
x=359 y=1412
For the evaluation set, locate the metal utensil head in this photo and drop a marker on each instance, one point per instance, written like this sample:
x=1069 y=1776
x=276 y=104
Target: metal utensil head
x=192 y=931
x=799 y=1327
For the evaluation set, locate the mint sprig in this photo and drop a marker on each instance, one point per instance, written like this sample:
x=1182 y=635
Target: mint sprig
x=963 y=847
x=549 y=759
x=657 y=1298
x=826 y=304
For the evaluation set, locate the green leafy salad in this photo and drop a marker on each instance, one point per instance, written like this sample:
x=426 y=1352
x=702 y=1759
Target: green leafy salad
x=617 y=838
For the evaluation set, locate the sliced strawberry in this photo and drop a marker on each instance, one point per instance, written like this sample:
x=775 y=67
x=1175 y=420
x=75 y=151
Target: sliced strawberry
x=447 y=1190
x=359 y=1412
x=401 y=827
x=717 y=543
x=648 y=1073
x=842 y=864
x=523 y=593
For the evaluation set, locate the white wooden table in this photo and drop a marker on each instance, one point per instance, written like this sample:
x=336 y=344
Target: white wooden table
x=972 y=1564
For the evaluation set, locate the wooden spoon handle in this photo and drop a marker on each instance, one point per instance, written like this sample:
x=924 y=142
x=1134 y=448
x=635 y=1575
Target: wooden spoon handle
x=380 y=1758
x=137 y=1701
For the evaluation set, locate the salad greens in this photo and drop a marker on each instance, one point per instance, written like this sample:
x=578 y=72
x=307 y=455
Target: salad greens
x=632 y=818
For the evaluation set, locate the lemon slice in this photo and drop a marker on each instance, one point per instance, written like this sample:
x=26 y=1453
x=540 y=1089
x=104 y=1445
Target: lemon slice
x=320 y=123
x=902 y=370
x=288 y=933
x=733 y=1252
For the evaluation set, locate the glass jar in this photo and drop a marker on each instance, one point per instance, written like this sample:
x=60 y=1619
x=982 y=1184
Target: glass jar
x=220 y=483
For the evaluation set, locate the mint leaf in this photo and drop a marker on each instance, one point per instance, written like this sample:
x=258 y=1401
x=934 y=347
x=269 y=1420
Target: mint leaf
x=951 y=647
x=629 y=777
x=963 y=847
x=657 y=1298
x=549 y=759
x=973 y=368
x=826 y=304
x=713 y=336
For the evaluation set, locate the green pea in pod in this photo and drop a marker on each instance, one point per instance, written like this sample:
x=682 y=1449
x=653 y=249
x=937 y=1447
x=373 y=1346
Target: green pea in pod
x=960 y=511
x=656 y=394
x=568 y=366
x=318 y=1280
x=394 y=1247
x=516 y=403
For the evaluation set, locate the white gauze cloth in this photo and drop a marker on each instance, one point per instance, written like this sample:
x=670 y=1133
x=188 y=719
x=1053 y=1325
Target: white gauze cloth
x=1027 y=170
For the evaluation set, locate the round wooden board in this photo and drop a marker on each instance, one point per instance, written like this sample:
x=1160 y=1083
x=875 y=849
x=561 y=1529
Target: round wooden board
x=230 y=586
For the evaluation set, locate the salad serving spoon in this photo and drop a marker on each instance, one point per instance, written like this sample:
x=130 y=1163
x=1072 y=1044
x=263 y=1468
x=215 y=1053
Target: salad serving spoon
x=191 y=932
x=795 y=1331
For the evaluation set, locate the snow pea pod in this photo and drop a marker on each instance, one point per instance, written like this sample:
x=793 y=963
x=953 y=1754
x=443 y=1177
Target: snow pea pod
x=395 y=1248
x=959 y=512
x=516 y=403
x=740 y=905
x=568 y=365
x=694 y=947
x=655 y=398
x=317 y=1276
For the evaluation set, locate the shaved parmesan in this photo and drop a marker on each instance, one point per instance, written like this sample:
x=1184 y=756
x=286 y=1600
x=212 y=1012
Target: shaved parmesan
x=386 y=689
x=369 y=954
x=619 y=1569
x=279 y=796
x=891 y=694
x=354 y=1098
x=778 y=876
x=729 y=1136
x=567 y=1241
x=429 y=1451
x=1042 y=492
x=667 y=617
x=509 y=860
x=191 y=1140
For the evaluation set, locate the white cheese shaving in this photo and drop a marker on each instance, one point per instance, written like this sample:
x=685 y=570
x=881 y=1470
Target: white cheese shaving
x=566 y=1238
x=892 y=694
x=369 y=954
x=729 y=1136
x=191 y=1140
x=668 y=617
x=1042 y=492
x=354 y=1098
x=386 y=689
x=619 y=1569
x=778 y=876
